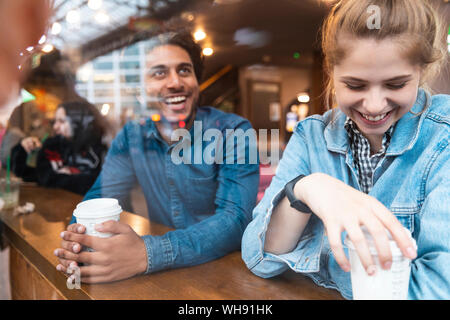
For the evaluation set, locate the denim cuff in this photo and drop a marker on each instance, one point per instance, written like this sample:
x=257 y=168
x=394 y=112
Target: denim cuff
x=159 y=253
x=306 y=255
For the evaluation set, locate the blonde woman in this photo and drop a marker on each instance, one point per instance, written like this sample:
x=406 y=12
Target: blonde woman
x=380 y=160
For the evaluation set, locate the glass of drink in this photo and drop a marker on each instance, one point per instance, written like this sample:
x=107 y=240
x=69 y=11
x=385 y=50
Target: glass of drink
x=9 y=192
x=389 y=284
x=95 y=211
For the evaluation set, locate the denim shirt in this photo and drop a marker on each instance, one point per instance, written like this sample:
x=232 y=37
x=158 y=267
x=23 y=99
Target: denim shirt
x=209 y=205
x=412 y=181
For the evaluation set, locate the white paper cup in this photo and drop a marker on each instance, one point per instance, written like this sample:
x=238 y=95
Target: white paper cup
x=389 y=284
x=95 y=211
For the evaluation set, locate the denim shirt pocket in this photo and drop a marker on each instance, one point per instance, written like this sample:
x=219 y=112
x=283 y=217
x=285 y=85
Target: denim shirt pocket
x=200 y=194
x=405 y=214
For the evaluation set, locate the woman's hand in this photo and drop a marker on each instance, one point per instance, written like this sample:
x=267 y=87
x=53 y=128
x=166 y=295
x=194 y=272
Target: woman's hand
x=30 y=144
x=64 y=170
x=341 y=207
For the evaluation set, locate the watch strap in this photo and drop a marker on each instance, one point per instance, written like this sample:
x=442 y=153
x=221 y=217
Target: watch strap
x=295 y=203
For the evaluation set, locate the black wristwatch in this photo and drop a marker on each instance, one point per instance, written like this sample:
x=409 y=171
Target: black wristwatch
x=295 y=203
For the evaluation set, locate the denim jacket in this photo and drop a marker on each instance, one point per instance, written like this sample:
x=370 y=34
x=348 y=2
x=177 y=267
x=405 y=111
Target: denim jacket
x=412 y=181
x=209 y=205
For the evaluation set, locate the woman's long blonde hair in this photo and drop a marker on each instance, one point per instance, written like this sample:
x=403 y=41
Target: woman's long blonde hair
x=414 y=24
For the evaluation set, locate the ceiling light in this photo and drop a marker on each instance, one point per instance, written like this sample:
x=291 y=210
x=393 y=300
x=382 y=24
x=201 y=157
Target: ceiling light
x=85 y=72
x=187 y=16
x=95 y=4
x=303 y=97
x=105 y=109
x=199 y=35
x=42 y=39
x=48 y=48
x=56 y=28
x=73 y=17
x=208 y=51
x=102 y=18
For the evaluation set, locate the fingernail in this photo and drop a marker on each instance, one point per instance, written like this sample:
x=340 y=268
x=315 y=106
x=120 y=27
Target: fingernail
x=76 y=247
x=58 y=267
x=388 y=265
x=55 y=252
x=371 y=270
x=411 y=253
x=80 y=229
x=73 y=264
x=62 y=234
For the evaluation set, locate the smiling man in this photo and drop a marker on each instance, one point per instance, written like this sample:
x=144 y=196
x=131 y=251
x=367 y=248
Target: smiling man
x=208 y=205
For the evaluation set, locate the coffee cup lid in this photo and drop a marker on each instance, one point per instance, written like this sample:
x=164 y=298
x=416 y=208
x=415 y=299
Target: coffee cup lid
x=395 y=250
x=97 y=208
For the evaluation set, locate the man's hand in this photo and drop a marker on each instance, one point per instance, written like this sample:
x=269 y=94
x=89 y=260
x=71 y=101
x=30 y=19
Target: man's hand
x=119 y=257
x=73 y=247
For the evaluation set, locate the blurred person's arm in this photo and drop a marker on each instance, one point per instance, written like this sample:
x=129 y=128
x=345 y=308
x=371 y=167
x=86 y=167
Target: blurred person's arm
x=19 y=164
x=11 y=138
x=14 y=133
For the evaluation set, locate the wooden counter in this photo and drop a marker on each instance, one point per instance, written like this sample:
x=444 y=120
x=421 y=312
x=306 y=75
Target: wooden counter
x=35 y=236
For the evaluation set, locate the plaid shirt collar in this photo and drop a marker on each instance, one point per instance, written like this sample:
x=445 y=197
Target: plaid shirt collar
x=363 y=161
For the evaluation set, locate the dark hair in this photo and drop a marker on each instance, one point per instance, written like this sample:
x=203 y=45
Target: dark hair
x=184 y=40
x=85 y=122
x=52 y=70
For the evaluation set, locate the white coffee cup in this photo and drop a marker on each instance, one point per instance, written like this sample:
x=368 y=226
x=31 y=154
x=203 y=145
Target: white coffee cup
x=95 y=211
x=389 y=284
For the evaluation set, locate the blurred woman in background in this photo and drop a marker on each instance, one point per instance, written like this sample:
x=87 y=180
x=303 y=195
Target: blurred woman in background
x=71 y=159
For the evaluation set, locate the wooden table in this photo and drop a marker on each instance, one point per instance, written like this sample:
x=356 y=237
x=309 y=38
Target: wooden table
x=34 y=237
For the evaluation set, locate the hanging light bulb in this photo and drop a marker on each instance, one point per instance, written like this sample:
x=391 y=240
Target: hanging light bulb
x=303 y=97
x=95 y=4
x=199 y=35
x=102 y=18
x=48 y=48
x=42 y=39
x=56 y=28
x=73 y=17
x=105 y=109
x=208 y=51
